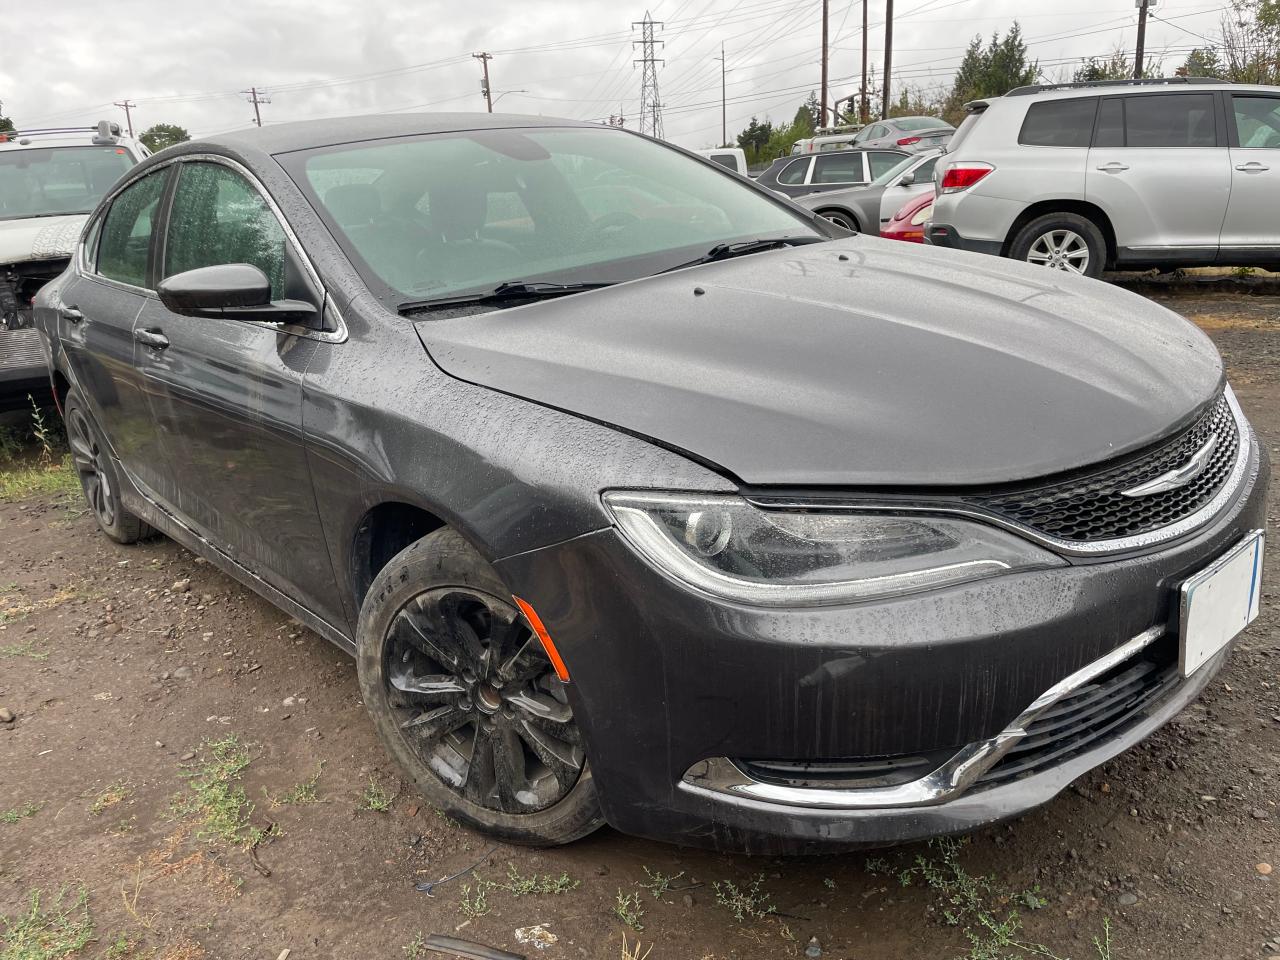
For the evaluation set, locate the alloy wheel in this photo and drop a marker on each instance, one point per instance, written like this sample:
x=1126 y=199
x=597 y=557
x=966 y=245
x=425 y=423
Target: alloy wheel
x=88 y=458
x=838 y=219
x=477 y=699
x=1060 y=250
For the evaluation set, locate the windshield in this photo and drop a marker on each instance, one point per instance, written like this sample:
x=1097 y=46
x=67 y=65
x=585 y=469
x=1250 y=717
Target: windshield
x=895 y=171
x=433 y=216
x=55 y=181
x=921 y=123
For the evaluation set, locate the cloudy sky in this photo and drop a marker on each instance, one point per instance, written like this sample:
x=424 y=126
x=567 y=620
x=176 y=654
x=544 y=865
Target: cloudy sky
x=185 y=62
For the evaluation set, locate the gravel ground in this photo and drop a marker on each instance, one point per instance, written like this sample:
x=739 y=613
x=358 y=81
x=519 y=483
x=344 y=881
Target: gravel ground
x=141 y=691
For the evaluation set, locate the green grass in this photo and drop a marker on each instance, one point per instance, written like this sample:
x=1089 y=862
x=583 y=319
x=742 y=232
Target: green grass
x=376 y=798
x=305 y=792
x=629 y=910
x=47 y=931
x=21 y=481
x=217 y=801
x=474 y=905
x=976 y=905
x=24 y=648
x=416 y=948
x=527 y=886
x=118 y=792
x=20 y=813
x=659 y=883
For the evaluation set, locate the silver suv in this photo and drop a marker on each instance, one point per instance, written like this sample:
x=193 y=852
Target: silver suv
x=1129 y=175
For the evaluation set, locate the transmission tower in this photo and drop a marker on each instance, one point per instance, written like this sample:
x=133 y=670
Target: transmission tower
x=650 y=104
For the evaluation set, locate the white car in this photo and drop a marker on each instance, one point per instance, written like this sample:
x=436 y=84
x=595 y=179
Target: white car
x=50 y=181
x=731 y=158
x=1128 y=175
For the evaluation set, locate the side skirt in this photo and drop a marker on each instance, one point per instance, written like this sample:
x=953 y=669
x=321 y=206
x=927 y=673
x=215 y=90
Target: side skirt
x=171 y=527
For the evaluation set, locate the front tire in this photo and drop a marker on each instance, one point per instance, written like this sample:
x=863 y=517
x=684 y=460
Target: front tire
x=464 y=698
x=98 y=476
x=841 y=219
x=1062 y=241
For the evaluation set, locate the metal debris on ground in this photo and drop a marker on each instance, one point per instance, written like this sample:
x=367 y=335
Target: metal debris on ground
x=467 y=949
x=427 y=886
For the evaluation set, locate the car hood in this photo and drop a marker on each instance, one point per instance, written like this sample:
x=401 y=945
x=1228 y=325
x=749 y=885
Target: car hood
x=853 y=362
x=39 y=238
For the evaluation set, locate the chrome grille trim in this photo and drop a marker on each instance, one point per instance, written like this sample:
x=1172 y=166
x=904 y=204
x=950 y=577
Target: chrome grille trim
x=966 y=508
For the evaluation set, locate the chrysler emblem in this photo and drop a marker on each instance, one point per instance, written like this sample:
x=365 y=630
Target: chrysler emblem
x=1179 y=476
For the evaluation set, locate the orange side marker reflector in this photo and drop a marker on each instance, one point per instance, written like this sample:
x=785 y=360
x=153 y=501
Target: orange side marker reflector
x=535 y=622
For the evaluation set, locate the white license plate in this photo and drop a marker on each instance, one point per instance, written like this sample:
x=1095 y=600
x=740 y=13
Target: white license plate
x=1219 y=602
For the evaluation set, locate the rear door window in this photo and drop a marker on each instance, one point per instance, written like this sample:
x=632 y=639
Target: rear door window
x=1170 y=120
x=844 y=166
x=793 y=173
x=1110 y=132
x=1059 y=123
x=729 y=160
x=125 y=246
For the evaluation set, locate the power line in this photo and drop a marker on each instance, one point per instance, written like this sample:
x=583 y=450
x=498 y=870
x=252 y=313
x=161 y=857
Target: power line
x=254 y=96
x=484 y=59
x=126 y=106
x=650 y=103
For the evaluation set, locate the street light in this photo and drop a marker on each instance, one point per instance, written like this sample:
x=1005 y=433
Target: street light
x=505 y=92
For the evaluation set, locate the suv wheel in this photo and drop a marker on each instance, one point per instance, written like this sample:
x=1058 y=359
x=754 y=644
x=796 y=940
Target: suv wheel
x=464 y=698
x=98 y=477
x=840 y=219
x=1062 y=241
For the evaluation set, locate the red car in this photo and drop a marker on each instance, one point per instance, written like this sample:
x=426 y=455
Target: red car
x=908 y=223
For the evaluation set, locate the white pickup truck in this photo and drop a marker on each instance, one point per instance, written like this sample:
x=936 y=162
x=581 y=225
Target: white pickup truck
x=50 y=181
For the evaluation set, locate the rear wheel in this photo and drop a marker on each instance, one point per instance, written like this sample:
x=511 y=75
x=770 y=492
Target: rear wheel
x=98 y=477
x=841 y=219
x=1062 y=241
x=464 y=697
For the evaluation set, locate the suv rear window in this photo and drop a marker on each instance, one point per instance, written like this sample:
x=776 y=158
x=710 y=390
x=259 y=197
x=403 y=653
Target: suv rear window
x=1059 y=123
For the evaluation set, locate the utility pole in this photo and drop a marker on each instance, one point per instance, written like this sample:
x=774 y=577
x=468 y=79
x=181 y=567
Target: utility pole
x=650 y=104
x=257 y=98
x=484 y=59
x=1143 y=6
x=822 y=112
x=724 y=136
x=126 y=106
x=888 y=57
x=864 y=112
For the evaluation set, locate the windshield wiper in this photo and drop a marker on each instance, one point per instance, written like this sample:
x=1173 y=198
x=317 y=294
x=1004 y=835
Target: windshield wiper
x=503 y=292
x=723 y=251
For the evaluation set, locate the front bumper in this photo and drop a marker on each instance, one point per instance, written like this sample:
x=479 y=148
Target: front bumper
x=664 y=681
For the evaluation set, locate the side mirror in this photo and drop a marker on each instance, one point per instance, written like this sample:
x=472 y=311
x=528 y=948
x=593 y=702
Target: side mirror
x=237 y=291
x=907 y=179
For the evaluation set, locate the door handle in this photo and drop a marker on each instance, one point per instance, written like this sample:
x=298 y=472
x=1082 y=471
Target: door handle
x=151 y=338
x=70 y=314
x=1114 y=166
x=1253 y=166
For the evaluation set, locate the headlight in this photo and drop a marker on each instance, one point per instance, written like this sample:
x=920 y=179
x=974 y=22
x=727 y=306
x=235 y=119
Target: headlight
x=728 y=548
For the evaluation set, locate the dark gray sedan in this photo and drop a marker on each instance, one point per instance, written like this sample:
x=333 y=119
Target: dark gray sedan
x=641 y=499
x=865 y=209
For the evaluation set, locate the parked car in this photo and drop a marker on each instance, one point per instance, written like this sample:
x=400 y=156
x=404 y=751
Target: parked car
x=609 y=541
x=1131 y=175
x=827 y=138
x=908 y=223
x=731 y=158
x=814 y=173
x=912 y=134
x=50 y=179
x=865 y=208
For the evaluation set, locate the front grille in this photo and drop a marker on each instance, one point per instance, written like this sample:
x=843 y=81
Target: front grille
x=859 y=773
x=1091 y=507
x=1090 y=714
x=20 y=349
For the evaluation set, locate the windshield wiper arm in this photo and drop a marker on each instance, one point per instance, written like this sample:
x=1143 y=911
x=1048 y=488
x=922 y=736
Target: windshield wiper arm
x=723 y=251
x=510 y=290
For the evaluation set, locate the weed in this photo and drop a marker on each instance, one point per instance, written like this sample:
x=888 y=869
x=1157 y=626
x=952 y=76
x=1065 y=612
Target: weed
x=1242 y=273
x=35 y=480
x=632 y=952
x=375 y=798
x=219 y=803
x=533 y=884
x=41 y=432
x=745 y=903
x=119 y=947
x=659 y=883
x=304 y=792
x=829 y=883
x=445 y=817
x=475 y=905
x=969 y=904
x=630 y=911
x=11 y=444
x=118 y=792
x=47 y=932
x=416 y=948
x=18 y=813
x=13 y=612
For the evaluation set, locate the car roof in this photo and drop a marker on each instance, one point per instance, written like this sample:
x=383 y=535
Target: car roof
x=310 y=134
x=61 y=137
x=1114 y=88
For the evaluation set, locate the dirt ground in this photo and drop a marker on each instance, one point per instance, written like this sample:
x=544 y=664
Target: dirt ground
x=147 y=690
